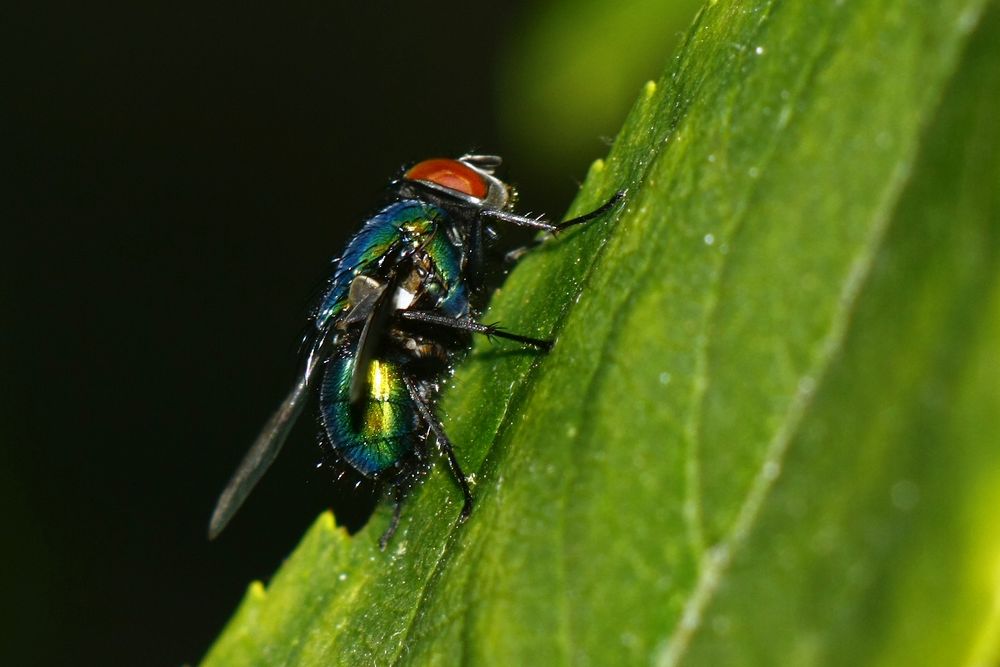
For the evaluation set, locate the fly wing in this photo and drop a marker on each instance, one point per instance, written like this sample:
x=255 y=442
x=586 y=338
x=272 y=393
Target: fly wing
x=364 y=294
x=368 y=341
x=267 y=445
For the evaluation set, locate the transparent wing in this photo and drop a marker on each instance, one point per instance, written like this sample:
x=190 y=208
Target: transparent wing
x=267 y=445
x=371 y=335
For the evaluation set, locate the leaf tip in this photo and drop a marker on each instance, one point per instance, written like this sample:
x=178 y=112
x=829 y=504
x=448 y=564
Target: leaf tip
x=596 y=167
x=326 y=521
x=327 y=533
x=256 y=591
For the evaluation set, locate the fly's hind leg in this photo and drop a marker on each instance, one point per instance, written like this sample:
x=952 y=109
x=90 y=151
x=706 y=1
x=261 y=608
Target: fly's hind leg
x=427 y=415
x=397 y=510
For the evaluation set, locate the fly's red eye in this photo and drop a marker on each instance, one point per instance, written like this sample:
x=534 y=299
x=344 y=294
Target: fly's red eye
x=450 y=174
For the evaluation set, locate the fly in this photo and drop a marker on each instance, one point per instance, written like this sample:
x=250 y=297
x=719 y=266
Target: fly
x=395 y=316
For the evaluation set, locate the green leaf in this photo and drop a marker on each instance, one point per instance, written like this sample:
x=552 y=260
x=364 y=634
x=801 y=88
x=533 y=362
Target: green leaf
x=767 y=432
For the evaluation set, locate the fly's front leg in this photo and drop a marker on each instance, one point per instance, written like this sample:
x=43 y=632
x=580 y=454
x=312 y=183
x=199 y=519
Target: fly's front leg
x=543 y=225
x=606 y=207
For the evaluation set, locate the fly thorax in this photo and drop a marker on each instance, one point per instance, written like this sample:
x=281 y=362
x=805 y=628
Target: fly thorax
x=416 y=233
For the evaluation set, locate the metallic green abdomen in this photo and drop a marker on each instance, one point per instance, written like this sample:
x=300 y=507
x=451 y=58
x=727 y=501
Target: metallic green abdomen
x=385 y=431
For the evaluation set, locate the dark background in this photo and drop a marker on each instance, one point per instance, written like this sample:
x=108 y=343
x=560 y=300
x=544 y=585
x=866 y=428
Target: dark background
x=181 y=177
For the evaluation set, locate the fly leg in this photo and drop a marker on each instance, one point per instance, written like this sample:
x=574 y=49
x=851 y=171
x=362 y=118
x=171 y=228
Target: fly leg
x=541 y=224
x=397 y=510
x=481 y=236
x=596 y=213
x=427 y=414
x=470 y=325
x=545 y=226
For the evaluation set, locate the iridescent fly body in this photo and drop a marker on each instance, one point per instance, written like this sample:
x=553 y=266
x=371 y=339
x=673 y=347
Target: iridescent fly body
x=394 y=317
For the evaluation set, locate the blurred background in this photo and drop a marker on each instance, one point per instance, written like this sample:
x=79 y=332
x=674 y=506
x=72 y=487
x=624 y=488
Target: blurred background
x=180 y=177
